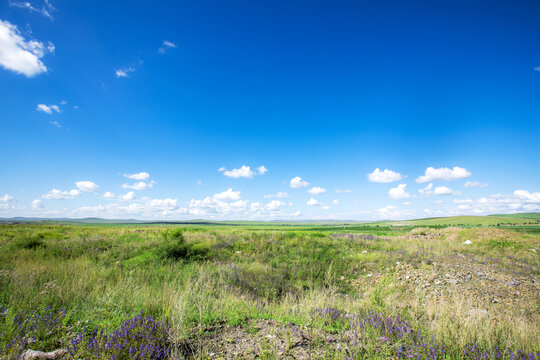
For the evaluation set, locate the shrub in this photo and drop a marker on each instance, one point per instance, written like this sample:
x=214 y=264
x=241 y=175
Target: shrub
x=30 y=242
x=175 y=248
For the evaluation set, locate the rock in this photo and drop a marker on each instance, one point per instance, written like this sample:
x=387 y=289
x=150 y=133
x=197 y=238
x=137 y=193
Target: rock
x=477 y=312
x=468 y=242
x=39 y=355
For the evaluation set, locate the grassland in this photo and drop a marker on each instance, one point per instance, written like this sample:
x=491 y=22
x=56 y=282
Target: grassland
x=271 y=291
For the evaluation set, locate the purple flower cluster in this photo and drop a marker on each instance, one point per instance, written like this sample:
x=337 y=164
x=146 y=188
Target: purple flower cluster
x=396 y=335
x=141 y=337
x=26 y=328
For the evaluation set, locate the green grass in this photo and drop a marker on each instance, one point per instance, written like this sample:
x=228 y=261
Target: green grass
x=194 y=277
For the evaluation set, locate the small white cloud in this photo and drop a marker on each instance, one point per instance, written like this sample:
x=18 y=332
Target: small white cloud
x=473 y=184
x=432 y=174
x=48 y=109
x=313 y=202
x=63 y=102
x=20 y=55
x=427 y=190
x=124 y=72
x=166 y=45
x=46 y=9
x=262 y=170
x=277 y=195
x=537 y=68
x=317 y=190
x=275 y=205
x=297 y=182
x=56 y=194
x=138 y=176
x=221 y=169
x=6 y=198
x=527 y=196
x=36 y=204
x=108 y=195
x=128 y=196
x=443 y=190
x=339 y=191
x=335 y=202
x=199 y=182
x=227 y=195
x=243 y=172
x=141 y=185
x=87 y=186
x=384 y=176
x=55 y=123
x=399 y=193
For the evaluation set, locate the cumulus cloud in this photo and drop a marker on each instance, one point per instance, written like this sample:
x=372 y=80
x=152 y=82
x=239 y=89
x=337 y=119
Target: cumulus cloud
x=46 y=9
x=19 y=55
x=124 y=72
x=36 y=204
x=339 y=191
x=215 y=207
x=243 y=172
x=56 y=194
x=6 y=198
x=166 y=45
x=518 y=201
x=87 y=186
x=473 y=184
x=275 y=205
x=277 y=195
x=335 y=202
x=443 y=190
x=141 y=185
x=262 y=170
x=138 y=176
x=426 y=191
x=317 y=190
x=399 y=193
x=313 y=202
x=391 y=212
x=108 y=195
x=297 y=182
x=48 y=109
x=227 y=195
x=128 y=196
x=384 y=176
x=432 y=174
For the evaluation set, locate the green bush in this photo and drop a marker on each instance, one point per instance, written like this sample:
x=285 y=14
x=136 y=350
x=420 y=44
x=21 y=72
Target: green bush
x=30 y=242
x=175 y=248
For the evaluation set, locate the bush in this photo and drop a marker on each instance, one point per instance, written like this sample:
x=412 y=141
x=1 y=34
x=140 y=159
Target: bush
x=175 y=248
x=30 y=242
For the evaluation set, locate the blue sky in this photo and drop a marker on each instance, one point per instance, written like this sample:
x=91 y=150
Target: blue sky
x=168 y=110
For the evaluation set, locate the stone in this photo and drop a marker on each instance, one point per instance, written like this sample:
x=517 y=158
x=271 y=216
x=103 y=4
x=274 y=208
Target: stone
x=40 y=355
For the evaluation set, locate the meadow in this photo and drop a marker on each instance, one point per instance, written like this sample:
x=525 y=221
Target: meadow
x=272 y=291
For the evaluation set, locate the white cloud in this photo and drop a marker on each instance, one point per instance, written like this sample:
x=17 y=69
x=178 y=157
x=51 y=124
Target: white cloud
x=275 y=205
x=313 y=202
x=36 y=204
x=56 y=194
x=166 y=45
x=447 y=174
x=162 y=203
x=108 y=195
x=399 y=192
x=214 y=207
x=427 y=190
x=227 y=195
x=297 y=182
x=527 y=196
x=277 y=195
x=138 y=176
x=443 y=190
x=48 y=109
x=19 y=55
x=335 y=202
x=141 y=185
x=317 y=190
x=537 y=68
x=6 y=198
x=128 y=196
x=243 y=172
x=55 y=123
x=384 y=176
x=472 y=184
x=391 y=212
x=87 y=186
x=518 y=201
x=222 y=169
x=45 y=10
x=339 y=191
x=262 y=170
x=124 y=72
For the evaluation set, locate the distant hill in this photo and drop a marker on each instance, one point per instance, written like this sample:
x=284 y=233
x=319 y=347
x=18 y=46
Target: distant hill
x=534 y=215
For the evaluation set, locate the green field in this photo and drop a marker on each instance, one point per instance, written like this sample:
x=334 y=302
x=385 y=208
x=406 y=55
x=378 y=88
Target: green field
x=270 y=291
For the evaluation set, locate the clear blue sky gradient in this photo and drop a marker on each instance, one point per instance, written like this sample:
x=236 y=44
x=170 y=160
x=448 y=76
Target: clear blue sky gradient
x=327 y=91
